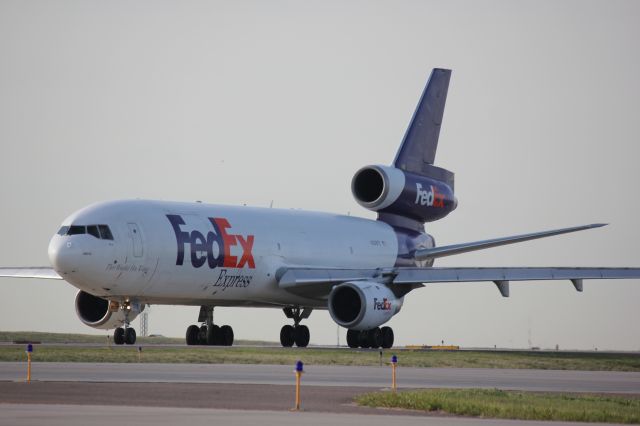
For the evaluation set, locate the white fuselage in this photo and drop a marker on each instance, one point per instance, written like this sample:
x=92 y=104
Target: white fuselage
x=200 y=254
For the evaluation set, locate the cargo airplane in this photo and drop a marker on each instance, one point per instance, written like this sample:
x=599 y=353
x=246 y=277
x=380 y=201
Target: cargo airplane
x=125 y=255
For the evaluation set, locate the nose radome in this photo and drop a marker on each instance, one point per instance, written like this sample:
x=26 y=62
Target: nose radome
x=62 y=254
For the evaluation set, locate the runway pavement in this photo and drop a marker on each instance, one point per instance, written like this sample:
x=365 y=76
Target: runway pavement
x=185 y=395
x=198 y=394
x=371 y=377
x=73 y=415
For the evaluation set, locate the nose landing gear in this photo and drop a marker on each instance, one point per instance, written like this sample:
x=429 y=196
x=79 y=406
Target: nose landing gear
x=124 y=335
x=298 y=334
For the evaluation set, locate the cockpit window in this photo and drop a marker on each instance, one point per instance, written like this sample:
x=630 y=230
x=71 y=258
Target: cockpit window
x=93 y=230
x=105 y=232
x=76 y=230
x=99 y=231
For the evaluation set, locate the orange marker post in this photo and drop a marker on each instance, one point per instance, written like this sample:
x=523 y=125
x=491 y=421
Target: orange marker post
x=394 y=365
x=298 y=371
x=29 y=352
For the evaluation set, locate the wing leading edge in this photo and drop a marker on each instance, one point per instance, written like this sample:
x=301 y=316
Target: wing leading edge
x=43 y=272
x=312 y=282
x=435 y=252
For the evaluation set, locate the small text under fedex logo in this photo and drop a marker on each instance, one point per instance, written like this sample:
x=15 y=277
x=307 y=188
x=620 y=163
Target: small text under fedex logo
x=218 y=248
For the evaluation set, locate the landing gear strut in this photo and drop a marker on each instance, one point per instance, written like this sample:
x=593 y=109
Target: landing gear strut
x=373 y=338
x=209 y=333
x=298 y=334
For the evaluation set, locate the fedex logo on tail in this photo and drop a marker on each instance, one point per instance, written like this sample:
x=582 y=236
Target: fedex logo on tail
x=429 y=198
x=233 y=250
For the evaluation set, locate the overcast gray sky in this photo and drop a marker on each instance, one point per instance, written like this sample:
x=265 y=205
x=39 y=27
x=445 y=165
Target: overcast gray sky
x=248 y=102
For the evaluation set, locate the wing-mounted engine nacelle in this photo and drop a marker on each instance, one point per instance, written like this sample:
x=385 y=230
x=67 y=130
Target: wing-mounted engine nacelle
x=100 y=313
x=362 y=305
x=390 y=190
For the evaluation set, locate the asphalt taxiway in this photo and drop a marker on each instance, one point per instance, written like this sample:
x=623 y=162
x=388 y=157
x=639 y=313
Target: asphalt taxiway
x=319 y=375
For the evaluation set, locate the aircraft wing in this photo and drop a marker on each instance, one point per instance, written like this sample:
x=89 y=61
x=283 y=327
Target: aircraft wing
x=44 y=272
x=435 y=252
x=315 y=282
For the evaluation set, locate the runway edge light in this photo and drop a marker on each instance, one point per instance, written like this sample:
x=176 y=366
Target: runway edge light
x=29 y=352
x=394 y=365
x=299 y=370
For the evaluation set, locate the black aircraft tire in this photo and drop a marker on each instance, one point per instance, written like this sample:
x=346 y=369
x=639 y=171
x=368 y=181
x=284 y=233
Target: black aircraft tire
x=118 y=336
x=210 y=336
x=287 y=336
x=217 y=336
x=363 y=339
x=375 y=338
x=302 y=336
x=353 y=338
x=387 y=337
x=130 y=336
x=226 y=335
x=192 y=335
x=202 y=335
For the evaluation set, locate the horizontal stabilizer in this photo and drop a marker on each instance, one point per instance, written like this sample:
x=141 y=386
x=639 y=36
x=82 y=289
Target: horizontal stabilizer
x=432 y=253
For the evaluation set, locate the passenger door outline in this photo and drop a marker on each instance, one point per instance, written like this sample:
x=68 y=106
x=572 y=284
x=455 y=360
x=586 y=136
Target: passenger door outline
x=136 y=239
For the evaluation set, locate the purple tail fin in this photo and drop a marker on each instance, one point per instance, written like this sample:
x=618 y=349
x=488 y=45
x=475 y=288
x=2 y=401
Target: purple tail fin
x=418 y=149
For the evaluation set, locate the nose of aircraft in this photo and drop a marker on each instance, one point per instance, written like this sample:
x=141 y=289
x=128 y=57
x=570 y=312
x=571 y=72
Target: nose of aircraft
x=63 y=254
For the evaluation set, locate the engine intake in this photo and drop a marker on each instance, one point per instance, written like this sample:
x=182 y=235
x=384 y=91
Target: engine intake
x=390 y=190
x=94 y=312
x=362 y=305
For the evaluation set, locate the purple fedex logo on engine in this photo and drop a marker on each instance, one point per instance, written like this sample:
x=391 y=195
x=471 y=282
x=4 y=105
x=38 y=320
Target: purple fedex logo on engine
x=381 y=305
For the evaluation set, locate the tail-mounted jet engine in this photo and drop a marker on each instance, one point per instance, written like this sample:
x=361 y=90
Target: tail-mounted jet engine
x=96 y=312
x=389 y=190
x=362 y=305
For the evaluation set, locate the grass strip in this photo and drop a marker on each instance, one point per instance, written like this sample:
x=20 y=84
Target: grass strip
x=63 y=338
x=314 y=356
x=493 y=403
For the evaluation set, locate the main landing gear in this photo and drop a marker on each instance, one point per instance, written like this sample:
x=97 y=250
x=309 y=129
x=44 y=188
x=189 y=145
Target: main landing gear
x=124 y=335
x=209 y=333
x=296 y=333
x=374 y=338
